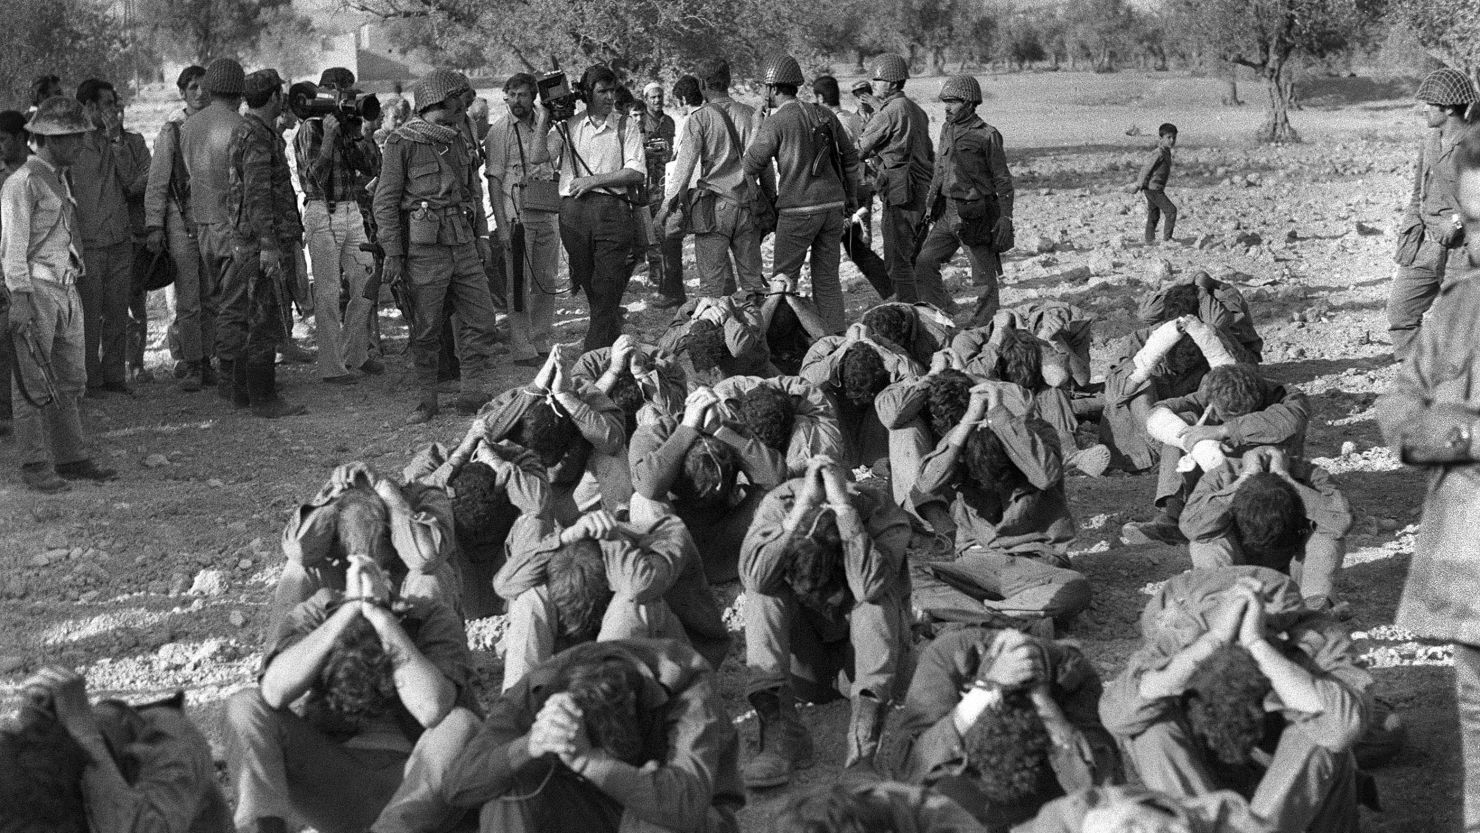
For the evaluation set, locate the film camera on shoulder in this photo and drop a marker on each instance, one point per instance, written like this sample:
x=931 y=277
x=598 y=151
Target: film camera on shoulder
x=307 y=101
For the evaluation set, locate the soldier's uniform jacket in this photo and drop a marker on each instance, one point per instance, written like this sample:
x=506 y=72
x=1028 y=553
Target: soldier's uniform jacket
x=1441 y=599
x=971 y=168
x=1435 y=181
x=431 y=167
x=259 y=193
x=899 y=134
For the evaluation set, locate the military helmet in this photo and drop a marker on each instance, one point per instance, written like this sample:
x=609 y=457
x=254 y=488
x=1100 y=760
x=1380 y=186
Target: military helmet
x=1447 y=88
x=782 y=69
x=891 y=67
x=224 y=77
x=434 y=88
x=962 y=88
x=59 y=115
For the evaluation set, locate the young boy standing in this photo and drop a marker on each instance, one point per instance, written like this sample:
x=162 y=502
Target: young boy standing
x=1153 y=182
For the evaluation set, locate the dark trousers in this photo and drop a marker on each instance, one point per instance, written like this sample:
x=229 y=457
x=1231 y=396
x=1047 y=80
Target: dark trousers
x=664 y=253
x=249 y=322
x=875 y=271
x=1414 y=289
x=105 y=289
x=899 y=225
x=1157 y=206
x=925 y=283
x=451 y=277
x=1467 y=703
x=597 y=231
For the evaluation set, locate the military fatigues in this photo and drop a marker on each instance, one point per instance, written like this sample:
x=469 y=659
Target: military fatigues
x=973 y=179
x=1440 y=598
x=899 y=135
x=264 y=217
x=428 y=208
x=1426 y=240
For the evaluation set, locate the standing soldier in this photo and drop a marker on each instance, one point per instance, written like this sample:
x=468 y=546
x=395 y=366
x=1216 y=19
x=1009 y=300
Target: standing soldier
x=816 y=171
x=1431 y=228
x=429 y=213
x=260 y=199
x=970 y=200
x=664 y=247
x=720 y=216
x=1430 y=417
x=899 y=135
x=40 y=249
x=204 y=141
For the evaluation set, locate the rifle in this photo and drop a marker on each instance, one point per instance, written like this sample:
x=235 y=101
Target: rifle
x=25 y=335
x=400 y=290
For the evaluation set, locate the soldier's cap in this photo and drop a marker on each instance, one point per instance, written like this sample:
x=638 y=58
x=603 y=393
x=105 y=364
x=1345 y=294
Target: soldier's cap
x=434 y=88
x=59 y=115
x=341 y=77
x=224 y=77
x=262 y=81
x=861 y=87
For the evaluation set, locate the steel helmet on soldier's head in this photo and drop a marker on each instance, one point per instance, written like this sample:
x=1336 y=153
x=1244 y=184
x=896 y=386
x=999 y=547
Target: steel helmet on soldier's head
x=434 y=88
x=962 y=88
x=224 y=77
x=782 y=69
x=1447 y=88
x=891 y=67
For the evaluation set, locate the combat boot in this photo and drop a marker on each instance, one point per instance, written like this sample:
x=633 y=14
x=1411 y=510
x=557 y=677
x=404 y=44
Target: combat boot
x=226 y=379
x=865 y=726
x=262 y=390
x=785 y=744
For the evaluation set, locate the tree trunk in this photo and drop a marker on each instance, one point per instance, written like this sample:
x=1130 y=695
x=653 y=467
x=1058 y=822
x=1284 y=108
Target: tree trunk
x=1276 y=127
x=1232 y=100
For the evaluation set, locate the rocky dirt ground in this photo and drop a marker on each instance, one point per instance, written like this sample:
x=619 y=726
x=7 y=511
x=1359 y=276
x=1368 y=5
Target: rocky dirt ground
x=160 y=579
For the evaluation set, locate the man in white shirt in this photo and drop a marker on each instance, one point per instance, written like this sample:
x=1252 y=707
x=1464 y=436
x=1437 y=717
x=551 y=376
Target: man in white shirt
x=598 y=153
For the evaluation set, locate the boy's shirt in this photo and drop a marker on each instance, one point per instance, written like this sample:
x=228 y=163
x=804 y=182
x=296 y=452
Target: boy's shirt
x=1158 y=170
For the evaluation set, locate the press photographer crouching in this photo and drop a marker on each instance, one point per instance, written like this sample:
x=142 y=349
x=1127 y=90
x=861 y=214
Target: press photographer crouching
x=332 y=152
x=68 y=767
x=599 y=155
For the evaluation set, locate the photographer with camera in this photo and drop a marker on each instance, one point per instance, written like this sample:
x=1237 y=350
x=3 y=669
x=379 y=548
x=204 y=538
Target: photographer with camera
x=526 y=207
x=600 y=158
x=71 y=766
x=332 y=151
x=429 y=212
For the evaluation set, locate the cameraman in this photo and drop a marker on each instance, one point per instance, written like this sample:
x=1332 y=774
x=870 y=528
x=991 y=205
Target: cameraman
x=600 y=158
x=331 y=152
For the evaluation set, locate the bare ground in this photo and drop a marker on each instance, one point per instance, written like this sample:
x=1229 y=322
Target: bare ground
x=102 y=578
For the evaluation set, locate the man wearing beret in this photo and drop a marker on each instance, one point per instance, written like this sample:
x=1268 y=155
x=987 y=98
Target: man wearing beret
x=429 y=212
x=264 y=212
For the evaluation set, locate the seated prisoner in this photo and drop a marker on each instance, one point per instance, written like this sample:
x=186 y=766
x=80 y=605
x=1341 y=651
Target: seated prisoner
x=1002 y=722
x=1139 y=810
x=826 y=591
x=489 y=486
x=70 y=767
x=1000 y=473
x=1269 y=510
x=1156 y=363
x=1064 y=334
x=1020 y=361
x=1233 y=410
x=363 y=699
x=629 y=735
x=852 y=370
x=1238 y=685
x=720 y=338
x=408 y=531
x=577 y=431
x=636 y=377
x=881 y=807
x=917 y=330
x=791 y=325
x=694 y=469
x=600 y=579
x=1219 y=304
x=787 y=413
